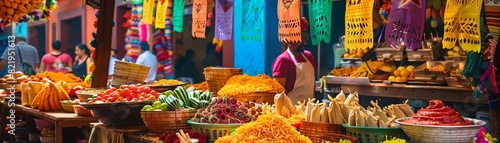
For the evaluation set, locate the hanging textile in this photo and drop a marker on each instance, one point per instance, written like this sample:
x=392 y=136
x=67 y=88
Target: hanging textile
x=224 y=19
x=461 y=24
x=252 y=21
x=199 y=18
x=178 y=15
x=406 y=24
x=147 y=11
x=359 y=24
x=161 y=14
x=320 y=15
x=289 y=21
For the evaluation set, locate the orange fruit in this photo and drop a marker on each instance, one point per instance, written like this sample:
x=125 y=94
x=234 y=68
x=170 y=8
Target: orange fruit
x=397 y=73
x=346 y=55
x=352 y=52
x=404 y=79
x=405 y=73
x=360 y=55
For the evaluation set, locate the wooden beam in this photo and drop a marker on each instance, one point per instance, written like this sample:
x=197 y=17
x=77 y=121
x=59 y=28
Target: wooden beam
x=103 y=50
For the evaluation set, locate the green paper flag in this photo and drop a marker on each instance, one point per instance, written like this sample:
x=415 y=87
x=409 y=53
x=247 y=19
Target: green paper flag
x=178 y=15
x=320 y=16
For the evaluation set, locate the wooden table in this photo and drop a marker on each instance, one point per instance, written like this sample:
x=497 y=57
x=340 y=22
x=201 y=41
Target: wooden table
x=60 y=119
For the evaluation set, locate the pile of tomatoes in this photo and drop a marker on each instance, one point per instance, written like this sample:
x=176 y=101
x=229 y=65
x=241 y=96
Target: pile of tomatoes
x=126 y=93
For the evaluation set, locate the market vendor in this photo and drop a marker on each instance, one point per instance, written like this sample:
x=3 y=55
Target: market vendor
x=147 y=58
x=294 y=68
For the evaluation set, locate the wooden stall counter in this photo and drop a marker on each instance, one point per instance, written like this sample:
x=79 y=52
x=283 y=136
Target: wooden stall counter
x=60 y=119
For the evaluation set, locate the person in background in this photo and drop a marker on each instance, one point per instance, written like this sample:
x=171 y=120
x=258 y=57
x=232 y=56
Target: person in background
x=212 y=58
x=112 y=61
x=56 y=61
x=294 y=68
x=82 y=60
x=186 y=67
x=147 y=58
x=25 y=57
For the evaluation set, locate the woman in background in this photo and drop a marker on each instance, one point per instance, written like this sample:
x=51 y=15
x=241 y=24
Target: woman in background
x=56 y=61
x=81 y=61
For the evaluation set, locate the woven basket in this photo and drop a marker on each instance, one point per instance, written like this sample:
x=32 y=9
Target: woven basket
x=129 y=73
x=441 y=134
x=313 y=129
x=216 y=77
x=374 y=134
x=334 y=138
x=214 y=131
x=84 y=94
x=257 y=98
x=80 y=111
x=167 y=121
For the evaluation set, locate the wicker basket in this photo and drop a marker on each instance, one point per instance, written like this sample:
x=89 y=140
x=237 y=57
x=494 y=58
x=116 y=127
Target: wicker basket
x=374 y=134
x=313 y=129
x=167 y=121
x=214 y=131
x=80 y=111
x=441 y=134
x=84 y=94
x=68 y=106
x=129 y=73
x=216 y=77
x=334 y=138
x=257 y=98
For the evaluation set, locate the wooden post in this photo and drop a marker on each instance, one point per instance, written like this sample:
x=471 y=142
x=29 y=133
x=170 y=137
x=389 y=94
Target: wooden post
x=103 y=50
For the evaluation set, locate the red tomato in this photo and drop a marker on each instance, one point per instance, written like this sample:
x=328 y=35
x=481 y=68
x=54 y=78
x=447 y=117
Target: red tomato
x=123 y=86
x=109 y=91
x=146 y=89
x=141 y=98
x=100 y=94
x=113 y=88
x=93 y=100
x=153 y=92
x=98 y=98
x=106 y=96
x=115 y=97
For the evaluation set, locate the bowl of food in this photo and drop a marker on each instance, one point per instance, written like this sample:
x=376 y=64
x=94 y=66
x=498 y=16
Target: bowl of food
x=437 y=123
x=68 y=105
x=84 y=94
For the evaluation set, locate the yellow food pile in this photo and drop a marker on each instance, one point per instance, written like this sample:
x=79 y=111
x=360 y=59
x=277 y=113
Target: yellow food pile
x=268 y=128
x=367 y=69
x=296 y=118
x=50 y=95
x=343 y=71
x=56 y=77
x=168 y=82
x=245 y=84
x=203 y=86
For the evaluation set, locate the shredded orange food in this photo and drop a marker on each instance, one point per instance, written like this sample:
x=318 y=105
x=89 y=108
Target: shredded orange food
x=203 y=86
x=245 y=84
x=296 y=118
x=56 y=77
x=168 y=82
x=267 y=128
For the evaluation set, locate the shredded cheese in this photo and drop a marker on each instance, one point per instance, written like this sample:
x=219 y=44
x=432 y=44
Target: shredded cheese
x=269 y=128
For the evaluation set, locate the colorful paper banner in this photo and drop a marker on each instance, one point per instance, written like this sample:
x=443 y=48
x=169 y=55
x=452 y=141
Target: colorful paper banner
x=147 y=11
x=289 y=21
x=406 y=24
x=320 y=15
x=199 y=18
x=462 y=24
x=224 y=19
x=161 y=14
x=178 y=15
x=252 y=21
x=359 y=24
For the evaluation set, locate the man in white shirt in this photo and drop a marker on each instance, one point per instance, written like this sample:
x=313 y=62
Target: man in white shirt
x=112 y=61
x=147 y=58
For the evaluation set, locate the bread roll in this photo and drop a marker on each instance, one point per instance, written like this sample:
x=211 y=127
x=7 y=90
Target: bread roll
x=18 y=74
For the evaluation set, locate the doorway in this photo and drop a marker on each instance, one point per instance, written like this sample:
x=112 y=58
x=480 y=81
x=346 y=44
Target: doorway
x=71 y=34
x=37 y=38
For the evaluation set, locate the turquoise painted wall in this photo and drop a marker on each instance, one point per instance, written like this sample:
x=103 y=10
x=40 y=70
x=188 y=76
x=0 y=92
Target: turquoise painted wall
x=22 y=29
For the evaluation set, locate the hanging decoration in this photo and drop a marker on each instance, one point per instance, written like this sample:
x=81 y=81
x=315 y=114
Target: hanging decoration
x=252 y=21
x=178 y=15
x=25 y=11
x=461 y=24
x=161 y=13
x=224 y=19
x=359 y=24
x=289 y=21
x=133 y=35
x=199 y=18
x=406 y=24
x=218 y=44
x=320 y=15
x=147 y=12
x=210 y=15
